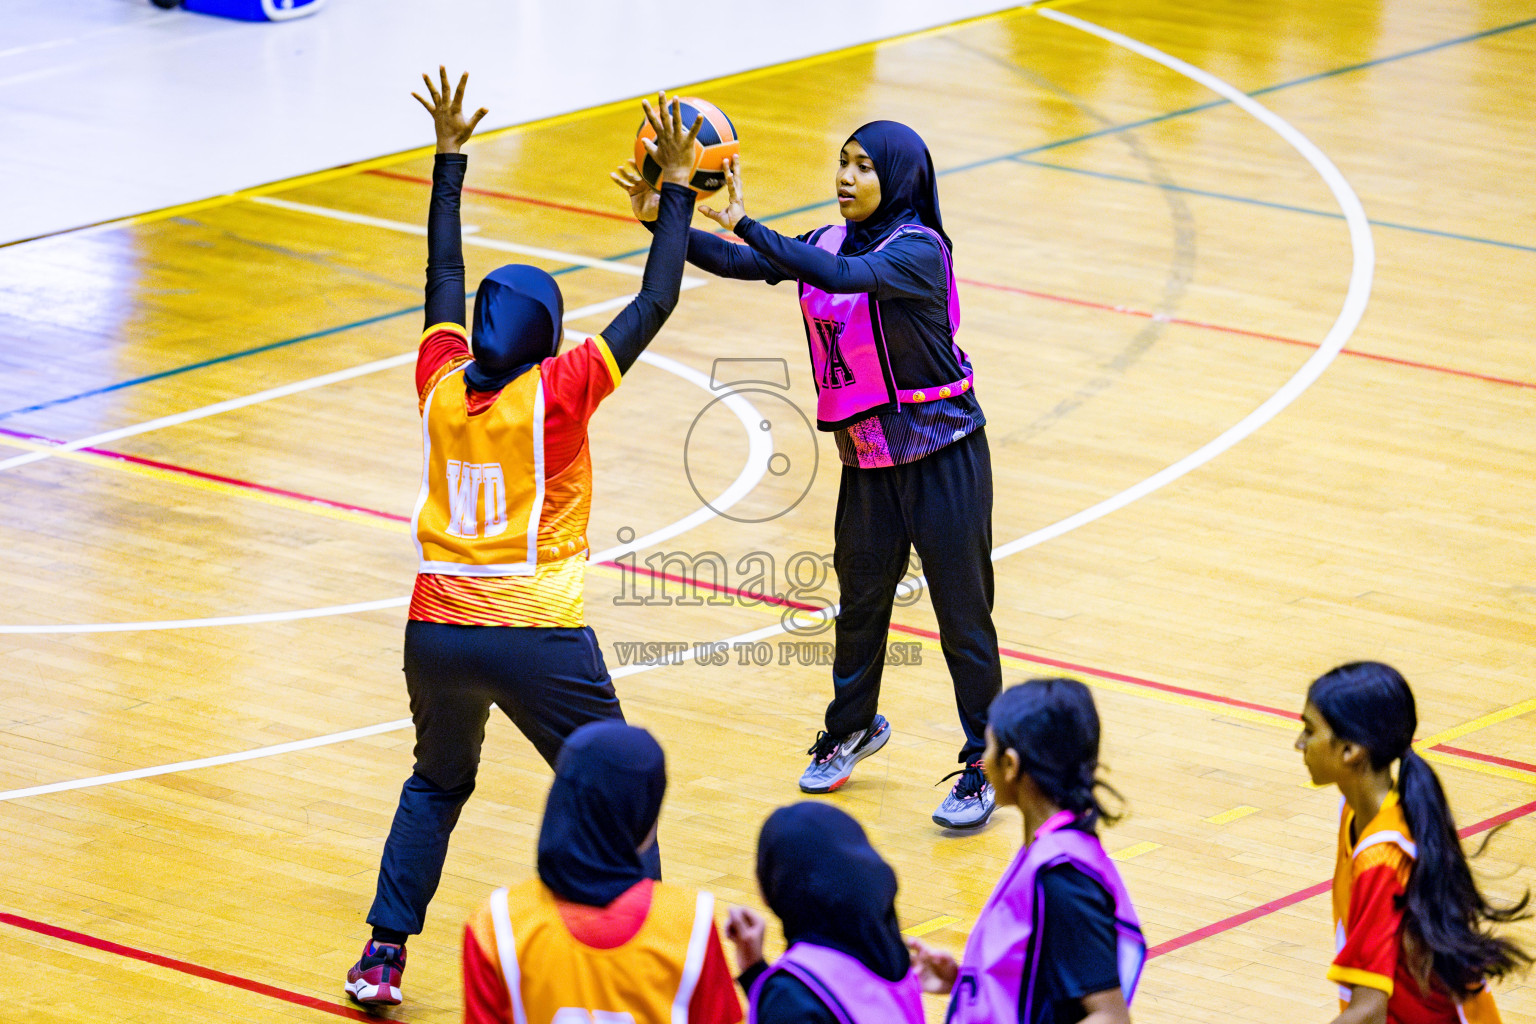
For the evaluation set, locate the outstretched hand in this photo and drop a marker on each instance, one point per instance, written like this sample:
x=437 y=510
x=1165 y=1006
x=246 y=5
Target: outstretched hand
x=936 y=969
x=448 y=113
x=734 y=207
x=673 y=149
x=644 y=200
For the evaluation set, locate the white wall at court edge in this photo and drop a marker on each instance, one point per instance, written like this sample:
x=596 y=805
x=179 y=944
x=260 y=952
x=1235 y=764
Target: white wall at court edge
x=114 y=107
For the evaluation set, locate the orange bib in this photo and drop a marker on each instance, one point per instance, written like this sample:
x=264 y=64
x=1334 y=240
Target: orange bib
x=482 y=480
x=552 y=978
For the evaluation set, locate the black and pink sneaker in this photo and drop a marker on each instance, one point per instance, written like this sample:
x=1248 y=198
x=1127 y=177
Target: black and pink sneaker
x=375 y=980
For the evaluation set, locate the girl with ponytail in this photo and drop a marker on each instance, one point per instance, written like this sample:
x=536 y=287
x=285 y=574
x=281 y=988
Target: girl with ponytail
x=1412 y=930
x=1058 y=939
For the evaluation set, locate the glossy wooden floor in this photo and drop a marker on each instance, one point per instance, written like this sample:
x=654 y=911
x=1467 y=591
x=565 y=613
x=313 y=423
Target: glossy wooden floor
x=1130 y=293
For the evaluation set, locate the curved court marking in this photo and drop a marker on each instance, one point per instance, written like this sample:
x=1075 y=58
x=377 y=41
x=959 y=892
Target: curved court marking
x=759 y=450
x=271 y=394
x=1348 y=320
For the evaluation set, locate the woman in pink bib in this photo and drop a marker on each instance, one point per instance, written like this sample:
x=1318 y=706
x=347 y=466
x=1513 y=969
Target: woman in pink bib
x=846 y=962
x=1058 y=940
x=877 y=295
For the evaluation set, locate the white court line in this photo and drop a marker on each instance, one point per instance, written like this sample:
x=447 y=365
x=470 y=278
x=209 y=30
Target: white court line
x=270 y=394
x=759 y=451
x=404 y=227
x=287 y=748
x=1347 y=321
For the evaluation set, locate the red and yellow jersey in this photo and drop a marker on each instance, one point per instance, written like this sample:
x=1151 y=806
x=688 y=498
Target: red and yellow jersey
x=653 y=956
x=1369 y=878
x=506 y=491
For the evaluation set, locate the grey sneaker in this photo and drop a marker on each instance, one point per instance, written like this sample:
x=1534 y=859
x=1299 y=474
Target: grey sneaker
x=970 y=803
x=833 y=757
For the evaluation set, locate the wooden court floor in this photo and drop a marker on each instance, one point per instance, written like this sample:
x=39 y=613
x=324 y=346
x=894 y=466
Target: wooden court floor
x=1148 y=269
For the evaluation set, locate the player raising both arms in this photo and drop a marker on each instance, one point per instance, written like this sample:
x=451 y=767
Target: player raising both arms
x=500 y=524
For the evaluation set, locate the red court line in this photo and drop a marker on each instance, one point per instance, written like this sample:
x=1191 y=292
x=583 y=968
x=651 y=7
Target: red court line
x=1121 y=677
x=1189 y=938
x=509 y=196
x=1047 y=296
x=1475 y=755
x=767 y=599
x=198 y=474
x=196 y=970
x=1182 y=321
x=1236 y=920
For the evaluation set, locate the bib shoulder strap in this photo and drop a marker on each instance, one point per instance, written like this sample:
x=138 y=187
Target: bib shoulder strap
x=829 y=238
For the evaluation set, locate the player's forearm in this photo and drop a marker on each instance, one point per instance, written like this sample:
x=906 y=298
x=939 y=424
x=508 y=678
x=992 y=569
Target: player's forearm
x=805 y=262
x=724 y=258
x=663 y=279
x=1366 y=1006
x=445 y=248
x=635 y=326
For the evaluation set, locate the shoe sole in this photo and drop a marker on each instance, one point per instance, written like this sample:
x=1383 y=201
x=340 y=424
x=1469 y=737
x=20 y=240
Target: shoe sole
x=874 y=748
x=954 y=827
x=364 y=994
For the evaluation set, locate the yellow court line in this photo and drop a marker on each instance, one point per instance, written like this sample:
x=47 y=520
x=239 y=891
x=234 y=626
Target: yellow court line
x=346 y=170
x=1494 y=718
x=1498 y=770
x=1227 y=817
x=919 y=930
x=1135 y=850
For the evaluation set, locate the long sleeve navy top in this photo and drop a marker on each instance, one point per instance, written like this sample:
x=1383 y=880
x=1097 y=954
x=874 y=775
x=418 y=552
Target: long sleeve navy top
x=637 y=323
x=908 y=277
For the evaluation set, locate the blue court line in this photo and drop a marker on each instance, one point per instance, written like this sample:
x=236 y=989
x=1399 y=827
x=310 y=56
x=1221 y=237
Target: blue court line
x=1014 y=156
x=1330 y=214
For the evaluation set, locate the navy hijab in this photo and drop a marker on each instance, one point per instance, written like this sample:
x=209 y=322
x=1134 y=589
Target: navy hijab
x=829 y=887
x=909 y=188
x=609 y=781
x=519 y=316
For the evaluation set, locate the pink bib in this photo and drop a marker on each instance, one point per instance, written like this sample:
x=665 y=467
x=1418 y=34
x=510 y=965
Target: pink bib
x=1002 y=956
x=848 y=354
x=854 y=993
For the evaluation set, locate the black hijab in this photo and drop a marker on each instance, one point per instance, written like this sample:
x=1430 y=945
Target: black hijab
x=519 y=317
x=609 y=780
x=829 y=887
x=909 y=188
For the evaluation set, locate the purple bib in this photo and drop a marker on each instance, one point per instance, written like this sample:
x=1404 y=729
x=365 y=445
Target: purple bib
x=854 y=993
x=1002 y=956
x=851 y=366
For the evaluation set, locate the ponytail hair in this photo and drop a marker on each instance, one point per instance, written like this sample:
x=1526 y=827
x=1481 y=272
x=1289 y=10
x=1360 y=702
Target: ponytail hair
x=1053 y=727
x=1369 y=704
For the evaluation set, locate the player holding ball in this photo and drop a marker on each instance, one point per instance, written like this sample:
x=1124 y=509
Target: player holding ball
x=877 y=293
